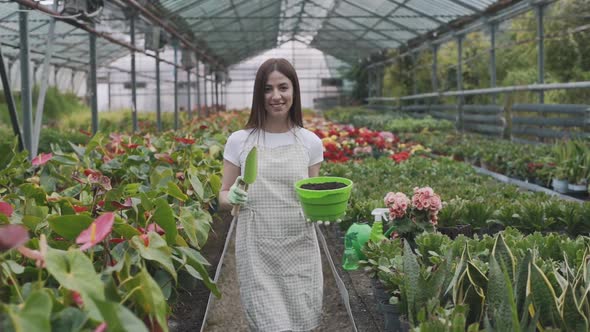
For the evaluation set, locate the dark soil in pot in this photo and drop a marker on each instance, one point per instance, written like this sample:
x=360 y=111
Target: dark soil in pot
x=323 y=186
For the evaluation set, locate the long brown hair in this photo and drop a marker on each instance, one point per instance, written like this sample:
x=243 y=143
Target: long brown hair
x=257 y=117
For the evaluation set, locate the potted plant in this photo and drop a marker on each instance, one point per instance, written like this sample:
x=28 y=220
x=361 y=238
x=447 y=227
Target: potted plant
x=579 y=164
x=411 y=217
x=560 y=154
x=324 y=198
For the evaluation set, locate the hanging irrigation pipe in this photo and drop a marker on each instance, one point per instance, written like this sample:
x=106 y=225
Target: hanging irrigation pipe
x=35 y=5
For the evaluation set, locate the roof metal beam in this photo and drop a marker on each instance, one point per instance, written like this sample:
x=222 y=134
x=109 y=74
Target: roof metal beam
x=153 y=18
x=185 y=7
x=359 y=24
x=419 y=12
x=466 y=5
x=299 y=18
x=383 y=18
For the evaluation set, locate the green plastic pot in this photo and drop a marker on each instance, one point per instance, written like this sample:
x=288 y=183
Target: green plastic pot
x=324 y=205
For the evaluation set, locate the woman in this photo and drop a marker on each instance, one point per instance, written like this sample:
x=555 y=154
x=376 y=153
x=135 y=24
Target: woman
x=277 y=253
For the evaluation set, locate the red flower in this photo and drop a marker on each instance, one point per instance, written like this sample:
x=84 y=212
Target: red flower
x=85 y=132
x=6 y=209
x=79 y=208
x=401 y=156
x=126 y=205
x=164 y=157
x=203 y=127
x=155 y=228
x=184 y=140
x=41 y=159
x=97 y=231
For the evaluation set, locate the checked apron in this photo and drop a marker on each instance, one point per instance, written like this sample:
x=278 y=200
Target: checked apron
x=277 y=252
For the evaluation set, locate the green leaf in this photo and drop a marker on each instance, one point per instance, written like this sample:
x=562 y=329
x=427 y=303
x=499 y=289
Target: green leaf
x=503 y=255
x=543 y=295
x=148 y=296
x=174 y=191
x=94 y=142
x=215 y=182
x=119 y=318
x=411 y=281
x=13 y=266
x=70 y=226
x=573 y=318
x=195 y=260
x=164 y=216
x=160 y=177
x=69 y=319
x=31 y=222
x=125 y=230
x=196 y=224
x=195 y=182
x=499 y=299
x=74 y=271
x=157 y=250
x=34 y=315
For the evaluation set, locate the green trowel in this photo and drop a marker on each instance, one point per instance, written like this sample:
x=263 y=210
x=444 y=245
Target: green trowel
x=250 y=171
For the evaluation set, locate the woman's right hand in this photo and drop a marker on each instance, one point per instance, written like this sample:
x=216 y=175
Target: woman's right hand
x=237 y=195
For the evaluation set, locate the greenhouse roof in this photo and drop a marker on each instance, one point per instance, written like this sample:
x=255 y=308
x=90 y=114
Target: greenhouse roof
x=226 y=32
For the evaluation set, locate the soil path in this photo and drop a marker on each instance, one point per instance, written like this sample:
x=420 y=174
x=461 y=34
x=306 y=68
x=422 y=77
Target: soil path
x=226 y=314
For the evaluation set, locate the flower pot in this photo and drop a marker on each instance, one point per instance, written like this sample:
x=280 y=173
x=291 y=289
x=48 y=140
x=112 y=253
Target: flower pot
x=324 y=205
x=454 y=231
x=381 y=296
x=577 y=188
x=559 y=185
x=393 y=318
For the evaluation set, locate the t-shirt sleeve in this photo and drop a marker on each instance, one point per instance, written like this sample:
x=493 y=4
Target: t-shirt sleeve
x=316 y=149
x=231 y=152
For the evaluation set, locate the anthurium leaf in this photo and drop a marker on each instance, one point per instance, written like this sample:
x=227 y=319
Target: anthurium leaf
x=119 y=318
x=148 y=296
x=13 y=266
x=70 y=226
x=79 y=150
x=165 y=282
x=125 y=230
x=195 y=182
x=74 y=271
x=174 y=191
x=31 y=221
x=164 y=216
x=94 y=142
x=157 y=250
x=160 y=177
x=34 y=315
x=195 y=260
x=196 y=224
x=69 y=319
x=66 y=207
x=215 y=183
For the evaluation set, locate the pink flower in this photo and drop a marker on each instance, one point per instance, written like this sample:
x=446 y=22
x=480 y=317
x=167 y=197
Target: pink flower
x=426 y=199
x=12 y=236
x=77 y=298
x=97 y=231
x=6 y=209
x=397 y=203
x=37 y=255
x=101 y=328
x=41 y=159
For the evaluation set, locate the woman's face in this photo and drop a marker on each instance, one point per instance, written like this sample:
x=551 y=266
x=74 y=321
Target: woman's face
x=278 y=95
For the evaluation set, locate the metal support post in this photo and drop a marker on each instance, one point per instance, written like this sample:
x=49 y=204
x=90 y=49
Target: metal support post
x=26 y=95
x=109 y=90
x=216 y=92
x=44 y=83
x=93 y=83
x=188 y=94
x=133 y=81
x=158 y=92
x=460 y=79
x=434 y=76
x=493 y=58
x=72 y=79
x=199 y=112
x=5 y=75
x=175 y=85
x=205 y=89
x=414 y=81
x=541 y=50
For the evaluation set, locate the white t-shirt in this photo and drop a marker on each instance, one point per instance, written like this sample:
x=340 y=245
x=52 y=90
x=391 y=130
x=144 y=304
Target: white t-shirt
x=240 y=142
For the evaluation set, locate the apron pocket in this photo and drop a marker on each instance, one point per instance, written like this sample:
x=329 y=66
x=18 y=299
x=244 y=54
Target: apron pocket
x=285 y=256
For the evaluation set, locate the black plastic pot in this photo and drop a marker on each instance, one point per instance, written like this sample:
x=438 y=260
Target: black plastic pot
x=379 y=292
x=393 y=318
x=454 y=231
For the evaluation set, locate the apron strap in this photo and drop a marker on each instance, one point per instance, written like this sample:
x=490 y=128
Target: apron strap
x=218 y=271
x=341 y=287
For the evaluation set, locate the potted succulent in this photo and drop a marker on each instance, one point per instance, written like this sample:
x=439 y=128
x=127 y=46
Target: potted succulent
x=561 y=155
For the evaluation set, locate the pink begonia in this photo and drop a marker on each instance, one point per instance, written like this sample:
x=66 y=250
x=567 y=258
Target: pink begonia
x=426 y=199
x=397 y=203
x=97 y=231
x=41 y=159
